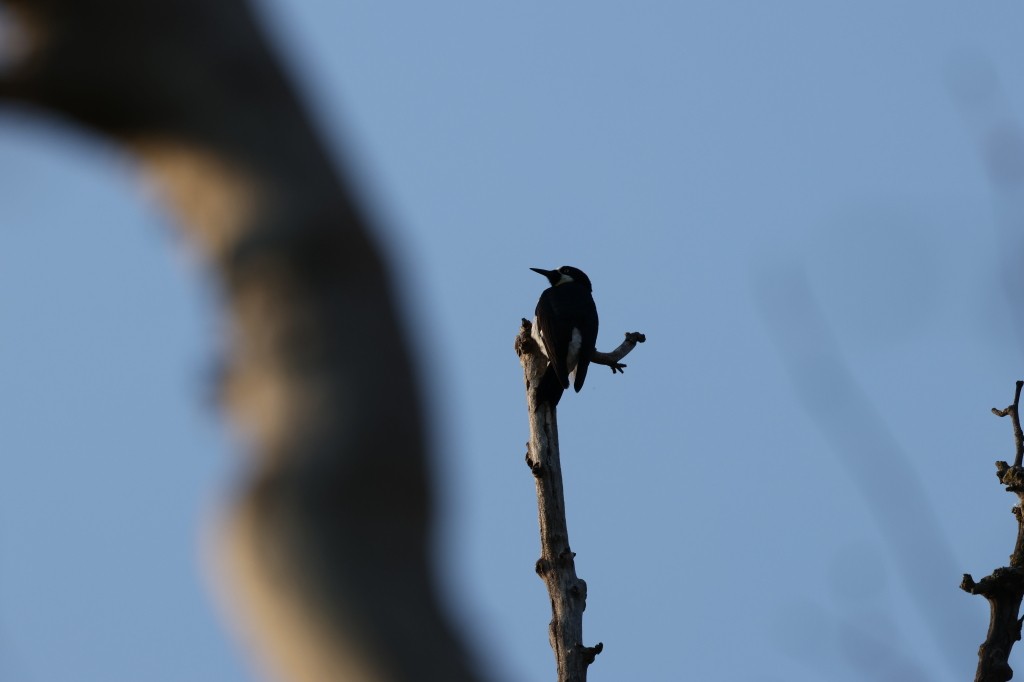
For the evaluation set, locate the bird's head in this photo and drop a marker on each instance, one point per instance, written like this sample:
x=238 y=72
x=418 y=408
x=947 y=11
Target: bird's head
x=565 y=275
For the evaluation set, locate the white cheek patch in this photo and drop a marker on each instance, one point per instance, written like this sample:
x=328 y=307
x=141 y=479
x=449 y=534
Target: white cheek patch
x=565 y=279
x=572 y=357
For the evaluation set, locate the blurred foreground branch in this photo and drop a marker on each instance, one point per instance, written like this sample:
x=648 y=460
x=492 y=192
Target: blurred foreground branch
x=557 y=566
x=326 y=544
x=1004 y=589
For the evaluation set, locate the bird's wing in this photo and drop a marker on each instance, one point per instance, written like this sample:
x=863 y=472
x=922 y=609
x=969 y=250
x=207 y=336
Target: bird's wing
x=546 y=314
x=589 y=331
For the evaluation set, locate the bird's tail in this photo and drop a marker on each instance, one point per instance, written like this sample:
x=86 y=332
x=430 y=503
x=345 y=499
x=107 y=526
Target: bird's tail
x=580 y=374
x=550 y=388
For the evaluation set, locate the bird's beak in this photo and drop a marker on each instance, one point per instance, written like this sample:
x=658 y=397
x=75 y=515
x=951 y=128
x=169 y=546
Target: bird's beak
x=546 y=273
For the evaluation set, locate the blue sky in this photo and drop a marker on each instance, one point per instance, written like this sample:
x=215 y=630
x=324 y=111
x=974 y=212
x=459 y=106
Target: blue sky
x=795 y=201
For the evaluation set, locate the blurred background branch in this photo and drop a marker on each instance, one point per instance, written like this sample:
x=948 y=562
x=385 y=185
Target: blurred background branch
x=860 y=438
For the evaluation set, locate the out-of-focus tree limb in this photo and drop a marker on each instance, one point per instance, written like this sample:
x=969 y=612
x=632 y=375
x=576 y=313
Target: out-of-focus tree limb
x=326 y=545
x=875 y=462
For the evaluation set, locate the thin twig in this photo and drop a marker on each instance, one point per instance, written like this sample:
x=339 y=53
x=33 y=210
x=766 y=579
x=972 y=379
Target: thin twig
x=1018 y=434
x=612 y=359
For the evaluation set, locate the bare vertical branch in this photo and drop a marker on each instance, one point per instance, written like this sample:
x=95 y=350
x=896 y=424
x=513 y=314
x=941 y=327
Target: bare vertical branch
x=1004 y=589
x=326 y=544
x=557 y=566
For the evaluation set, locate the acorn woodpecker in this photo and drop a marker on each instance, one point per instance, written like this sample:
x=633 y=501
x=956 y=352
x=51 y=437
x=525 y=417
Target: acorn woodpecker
x=566 y=329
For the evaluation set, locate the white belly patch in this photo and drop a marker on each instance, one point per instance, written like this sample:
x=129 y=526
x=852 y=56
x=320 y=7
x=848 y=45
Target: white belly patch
x=538 y=336
x=572 y=357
